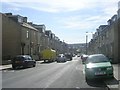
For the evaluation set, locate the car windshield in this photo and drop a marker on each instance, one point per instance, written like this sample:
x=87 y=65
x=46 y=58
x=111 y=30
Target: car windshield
x=59 y=56
x=18 y=58
x=97 y=59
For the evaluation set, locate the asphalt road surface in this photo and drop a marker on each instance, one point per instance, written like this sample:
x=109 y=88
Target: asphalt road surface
x=51 y=75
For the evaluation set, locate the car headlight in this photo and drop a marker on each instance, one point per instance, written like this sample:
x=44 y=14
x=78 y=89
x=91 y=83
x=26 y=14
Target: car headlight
x=110 y=68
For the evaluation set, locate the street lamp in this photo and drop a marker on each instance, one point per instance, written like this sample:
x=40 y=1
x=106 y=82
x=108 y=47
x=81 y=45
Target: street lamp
x=86 y=41
x=87 y=33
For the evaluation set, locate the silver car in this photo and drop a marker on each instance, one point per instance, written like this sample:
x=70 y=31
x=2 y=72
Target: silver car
x=61 y=58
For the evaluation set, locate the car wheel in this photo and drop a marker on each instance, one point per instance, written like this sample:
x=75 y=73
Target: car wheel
x=112 y=77
x=86 y=78
x=14 y=67
x=44 y=61
x=34 y=65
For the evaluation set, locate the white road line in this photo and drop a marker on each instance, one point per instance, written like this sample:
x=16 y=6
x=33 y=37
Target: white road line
x=81 y=68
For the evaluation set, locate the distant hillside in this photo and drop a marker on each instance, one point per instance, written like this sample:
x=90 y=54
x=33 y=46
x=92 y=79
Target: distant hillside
x=74 y=48
x=79 y=45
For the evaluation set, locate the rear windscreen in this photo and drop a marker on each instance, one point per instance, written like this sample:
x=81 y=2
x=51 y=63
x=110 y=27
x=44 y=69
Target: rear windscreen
x=18 y=58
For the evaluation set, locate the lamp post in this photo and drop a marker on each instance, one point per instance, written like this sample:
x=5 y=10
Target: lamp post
x=86 y=41
x=87 y=46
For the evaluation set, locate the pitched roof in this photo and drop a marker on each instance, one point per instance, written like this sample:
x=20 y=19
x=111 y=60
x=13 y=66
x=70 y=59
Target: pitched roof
x=28 y=26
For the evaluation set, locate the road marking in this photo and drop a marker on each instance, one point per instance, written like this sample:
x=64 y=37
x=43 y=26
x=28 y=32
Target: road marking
x=77 y=87
x=83 y=71
x=81 y=68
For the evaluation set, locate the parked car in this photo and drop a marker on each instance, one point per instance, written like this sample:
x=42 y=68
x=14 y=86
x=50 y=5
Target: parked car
x=23 y=61
x=83 y=58
x=61 y=58
x=68 y=56
x=78 y=55
x=98 y=66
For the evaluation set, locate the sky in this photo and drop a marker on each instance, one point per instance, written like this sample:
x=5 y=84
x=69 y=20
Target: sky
x=67 y=19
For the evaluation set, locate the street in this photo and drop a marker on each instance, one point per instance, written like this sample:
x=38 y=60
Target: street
x=51 y=75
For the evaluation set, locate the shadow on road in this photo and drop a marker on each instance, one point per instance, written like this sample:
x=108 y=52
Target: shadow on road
x=103 y=82
x=112 y=81
x=45 y=62
x=12 y=70
x=8 y=69
x=17 y=69
x=96 y=83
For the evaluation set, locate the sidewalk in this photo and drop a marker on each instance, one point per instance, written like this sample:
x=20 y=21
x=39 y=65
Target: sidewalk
x=2 y=67
x=114 y=83
x=116 y=71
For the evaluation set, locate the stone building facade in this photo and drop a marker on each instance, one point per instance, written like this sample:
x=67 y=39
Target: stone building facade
x=0 y=38
x=22 y=37
x=11 y=37
x=106 y=39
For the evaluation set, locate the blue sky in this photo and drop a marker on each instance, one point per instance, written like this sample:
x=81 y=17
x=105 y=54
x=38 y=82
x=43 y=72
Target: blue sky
x=67 y=19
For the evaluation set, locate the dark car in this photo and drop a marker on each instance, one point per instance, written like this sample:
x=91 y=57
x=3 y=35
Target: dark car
x=61 y=58
x=23 y=61
x=68 y=56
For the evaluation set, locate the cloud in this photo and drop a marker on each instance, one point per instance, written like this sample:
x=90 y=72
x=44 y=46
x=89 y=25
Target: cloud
x=110 y=8
x=57 y=5
x=82 y=22
x=92 y=21
x=14 y=8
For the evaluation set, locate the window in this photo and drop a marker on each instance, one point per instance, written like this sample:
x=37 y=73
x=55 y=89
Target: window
x=18 y=58
x=97 y=59
x=27 y=34
x=29 y=58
